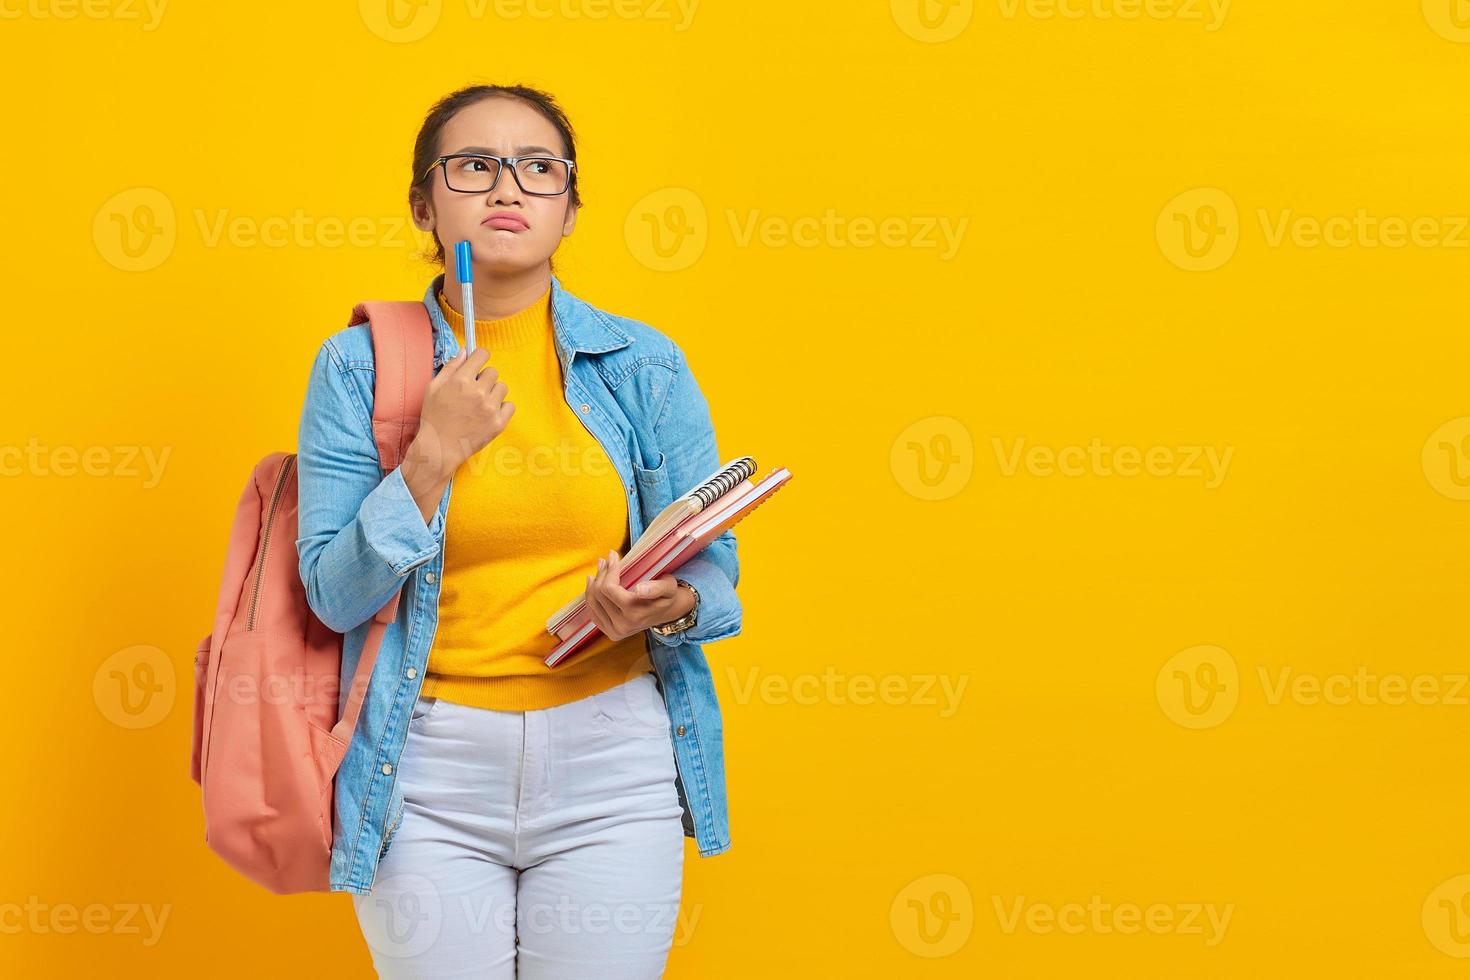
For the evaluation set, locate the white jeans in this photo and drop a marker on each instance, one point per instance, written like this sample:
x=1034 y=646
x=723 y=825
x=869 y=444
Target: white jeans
x=534 y=844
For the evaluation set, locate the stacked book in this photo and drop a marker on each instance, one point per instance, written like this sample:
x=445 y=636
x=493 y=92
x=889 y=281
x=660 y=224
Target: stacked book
x=677 y=534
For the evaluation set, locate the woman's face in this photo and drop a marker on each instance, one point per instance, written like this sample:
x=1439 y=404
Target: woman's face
x=503 y=127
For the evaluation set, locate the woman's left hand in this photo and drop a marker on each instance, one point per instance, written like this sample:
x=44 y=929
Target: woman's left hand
x=621 y=612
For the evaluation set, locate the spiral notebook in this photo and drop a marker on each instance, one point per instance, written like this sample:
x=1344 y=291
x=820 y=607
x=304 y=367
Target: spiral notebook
x=677 y=534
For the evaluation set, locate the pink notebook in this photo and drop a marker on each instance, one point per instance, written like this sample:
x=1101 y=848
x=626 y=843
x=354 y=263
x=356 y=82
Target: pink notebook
x=681 y=531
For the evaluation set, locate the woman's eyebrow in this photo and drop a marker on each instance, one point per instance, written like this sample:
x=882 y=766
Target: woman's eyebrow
x=517 y=150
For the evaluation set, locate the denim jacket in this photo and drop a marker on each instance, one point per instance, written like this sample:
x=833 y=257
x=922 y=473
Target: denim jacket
x=361 y=537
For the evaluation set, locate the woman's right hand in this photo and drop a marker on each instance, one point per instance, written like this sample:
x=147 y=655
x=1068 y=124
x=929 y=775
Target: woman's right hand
x=464 y=409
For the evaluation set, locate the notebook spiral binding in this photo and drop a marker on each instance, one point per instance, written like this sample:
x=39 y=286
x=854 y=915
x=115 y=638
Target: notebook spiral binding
x=724 y=481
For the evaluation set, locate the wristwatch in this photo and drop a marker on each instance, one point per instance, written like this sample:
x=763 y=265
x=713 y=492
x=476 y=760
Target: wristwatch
x=683 y=622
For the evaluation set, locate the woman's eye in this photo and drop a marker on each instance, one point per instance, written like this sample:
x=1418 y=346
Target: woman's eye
x=473 y=165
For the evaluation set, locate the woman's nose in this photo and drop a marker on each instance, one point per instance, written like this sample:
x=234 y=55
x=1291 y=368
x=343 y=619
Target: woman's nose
x=506 y=190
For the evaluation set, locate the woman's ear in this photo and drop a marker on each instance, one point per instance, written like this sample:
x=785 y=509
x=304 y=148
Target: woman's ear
x=423 y=211
x=571 y=220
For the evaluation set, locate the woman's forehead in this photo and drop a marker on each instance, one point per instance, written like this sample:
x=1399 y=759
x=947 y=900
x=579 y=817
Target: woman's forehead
x=506 y=125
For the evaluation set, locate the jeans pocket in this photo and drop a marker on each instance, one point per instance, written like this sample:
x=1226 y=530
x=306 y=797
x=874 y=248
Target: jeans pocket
x=634 y=708
x=422 y=708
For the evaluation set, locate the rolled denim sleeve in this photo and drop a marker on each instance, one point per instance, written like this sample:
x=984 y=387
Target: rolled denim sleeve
x=359 y=534
x=686 y=436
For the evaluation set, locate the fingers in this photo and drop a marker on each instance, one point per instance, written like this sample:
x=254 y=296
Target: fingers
x=476 y=362
x=495 y=403
x=451 y=366
x=613 y=581
x=597 y=609
x=481 y=369
x=456 y=362
x=617 y=611
x=472 y=360
x=490 y=385
x=607 y=599
x=656 y=589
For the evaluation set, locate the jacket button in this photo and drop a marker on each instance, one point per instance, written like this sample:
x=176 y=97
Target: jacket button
x=387 y=769
x=411 y=673
x=680 y=730
x=429 y=577
x=584 y=408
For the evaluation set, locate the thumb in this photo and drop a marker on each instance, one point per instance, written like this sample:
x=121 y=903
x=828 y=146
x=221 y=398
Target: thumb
x=644 y=589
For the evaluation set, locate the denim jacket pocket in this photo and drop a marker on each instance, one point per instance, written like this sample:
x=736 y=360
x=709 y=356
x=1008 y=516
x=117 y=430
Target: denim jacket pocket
x=654 y=489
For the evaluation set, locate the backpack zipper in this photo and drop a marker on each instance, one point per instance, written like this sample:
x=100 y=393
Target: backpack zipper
x=265 y=538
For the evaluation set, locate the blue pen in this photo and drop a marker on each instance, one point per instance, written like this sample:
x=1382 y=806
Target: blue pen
x=465 y=271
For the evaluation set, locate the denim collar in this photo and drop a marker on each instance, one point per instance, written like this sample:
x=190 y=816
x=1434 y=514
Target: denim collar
x=578 y=326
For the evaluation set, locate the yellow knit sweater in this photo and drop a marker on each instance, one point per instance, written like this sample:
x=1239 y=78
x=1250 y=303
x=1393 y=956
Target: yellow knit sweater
x=529 y=515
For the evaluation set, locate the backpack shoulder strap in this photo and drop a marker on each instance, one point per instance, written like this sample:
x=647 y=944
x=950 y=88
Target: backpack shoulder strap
x=403 y=355
x=403 y=363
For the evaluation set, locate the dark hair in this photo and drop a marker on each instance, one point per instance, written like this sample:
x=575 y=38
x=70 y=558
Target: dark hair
x=426 y=146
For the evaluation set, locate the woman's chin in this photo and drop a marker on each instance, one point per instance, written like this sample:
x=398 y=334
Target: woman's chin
x=506 y=257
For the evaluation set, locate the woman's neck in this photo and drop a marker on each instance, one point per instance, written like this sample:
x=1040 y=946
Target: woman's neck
x=498 y=296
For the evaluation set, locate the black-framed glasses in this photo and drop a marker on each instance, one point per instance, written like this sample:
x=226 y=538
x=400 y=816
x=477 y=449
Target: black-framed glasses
x=478 y=173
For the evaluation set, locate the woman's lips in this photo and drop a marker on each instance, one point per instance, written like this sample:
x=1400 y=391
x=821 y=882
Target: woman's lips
x=509 y=222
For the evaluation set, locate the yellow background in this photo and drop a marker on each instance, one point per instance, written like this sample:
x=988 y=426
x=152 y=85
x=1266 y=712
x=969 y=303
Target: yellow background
x=870 y=839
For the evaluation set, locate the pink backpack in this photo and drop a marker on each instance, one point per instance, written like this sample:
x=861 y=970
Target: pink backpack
x=269 y=732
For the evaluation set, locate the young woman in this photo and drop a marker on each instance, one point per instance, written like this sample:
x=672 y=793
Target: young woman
x=493 y=817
